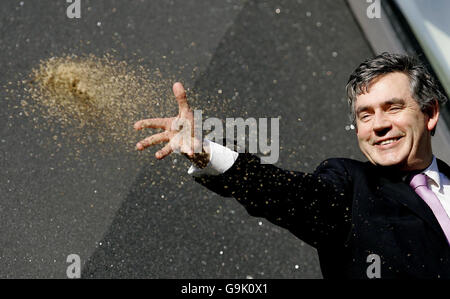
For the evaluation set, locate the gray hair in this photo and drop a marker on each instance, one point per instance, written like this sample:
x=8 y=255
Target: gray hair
x=423 y=86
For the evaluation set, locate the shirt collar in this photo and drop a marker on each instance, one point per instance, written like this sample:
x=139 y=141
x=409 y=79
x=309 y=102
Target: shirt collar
x=432 y=172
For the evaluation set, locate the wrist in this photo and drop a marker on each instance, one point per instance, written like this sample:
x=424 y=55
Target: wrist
x=202 y=159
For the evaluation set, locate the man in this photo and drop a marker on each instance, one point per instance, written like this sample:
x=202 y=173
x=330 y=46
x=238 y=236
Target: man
x=392 y=210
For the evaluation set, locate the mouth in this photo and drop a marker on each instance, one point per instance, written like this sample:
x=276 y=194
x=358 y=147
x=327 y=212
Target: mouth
x=387 y=143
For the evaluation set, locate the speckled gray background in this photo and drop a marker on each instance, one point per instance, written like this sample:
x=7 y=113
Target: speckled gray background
x=128 y=219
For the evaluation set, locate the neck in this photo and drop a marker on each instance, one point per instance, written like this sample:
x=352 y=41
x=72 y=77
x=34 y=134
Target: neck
x=421 y=164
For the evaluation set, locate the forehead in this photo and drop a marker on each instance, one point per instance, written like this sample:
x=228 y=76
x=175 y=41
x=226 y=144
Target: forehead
x=383 y=88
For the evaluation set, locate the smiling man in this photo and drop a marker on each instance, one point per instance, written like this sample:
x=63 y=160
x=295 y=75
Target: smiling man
x=391 y=127
x=387 y=217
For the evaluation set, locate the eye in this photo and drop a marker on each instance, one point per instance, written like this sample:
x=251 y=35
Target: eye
x=395 y=108
x=364 y=117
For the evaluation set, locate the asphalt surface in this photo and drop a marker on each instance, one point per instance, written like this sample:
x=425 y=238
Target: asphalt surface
x=127 y=217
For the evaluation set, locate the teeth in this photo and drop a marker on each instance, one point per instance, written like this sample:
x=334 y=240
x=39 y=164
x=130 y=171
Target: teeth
x=387 y=141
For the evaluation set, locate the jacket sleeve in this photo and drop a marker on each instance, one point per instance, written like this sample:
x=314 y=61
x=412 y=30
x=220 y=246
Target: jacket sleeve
x=314 y=207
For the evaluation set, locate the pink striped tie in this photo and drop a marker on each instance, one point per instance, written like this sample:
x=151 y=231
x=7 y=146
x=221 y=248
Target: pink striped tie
x=419 y=184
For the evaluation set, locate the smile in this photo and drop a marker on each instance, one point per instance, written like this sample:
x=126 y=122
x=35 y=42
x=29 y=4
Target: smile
x=388 y=143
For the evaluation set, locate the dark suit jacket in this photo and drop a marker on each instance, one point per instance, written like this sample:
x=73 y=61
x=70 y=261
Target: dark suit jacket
x=347 y=210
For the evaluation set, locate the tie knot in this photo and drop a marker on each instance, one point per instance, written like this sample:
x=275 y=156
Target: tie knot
x=418 y=180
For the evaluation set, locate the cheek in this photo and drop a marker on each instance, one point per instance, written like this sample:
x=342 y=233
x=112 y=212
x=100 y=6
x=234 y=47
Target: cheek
x=362 y=134
x=409 y=122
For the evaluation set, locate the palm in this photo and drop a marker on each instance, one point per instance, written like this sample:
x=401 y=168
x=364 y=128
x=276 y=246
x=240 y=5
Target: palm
x=177 y=130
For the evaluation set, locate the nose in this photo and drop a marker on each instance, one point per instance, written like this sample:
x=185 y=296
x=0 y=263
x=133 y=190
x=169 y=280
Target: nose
x=381 y=124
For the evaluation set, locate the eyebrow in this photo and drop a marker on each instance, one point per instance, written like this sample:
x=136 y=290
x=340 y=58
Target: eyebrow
x=389 y=102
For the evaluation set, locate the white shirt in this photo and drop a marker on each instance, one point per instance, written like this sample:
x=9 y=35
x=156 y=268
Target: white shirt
x=222 y=158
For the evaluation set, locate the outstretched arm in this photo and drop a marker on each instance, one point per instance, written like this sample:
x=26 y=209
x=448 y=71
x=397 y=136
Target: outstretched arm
x=315 y=207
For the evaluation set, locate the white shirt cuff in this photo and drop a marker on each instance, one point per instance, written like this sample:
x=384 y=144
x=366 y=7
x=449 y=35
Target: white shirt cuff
x=221 y=159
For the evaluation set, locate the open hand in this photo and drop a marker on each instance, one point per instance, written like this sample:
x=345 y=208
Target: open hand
x=178 y=132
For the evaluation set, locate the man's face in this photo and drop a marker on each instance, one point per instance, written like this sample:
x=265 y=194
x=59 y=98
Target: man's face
x=391 y=128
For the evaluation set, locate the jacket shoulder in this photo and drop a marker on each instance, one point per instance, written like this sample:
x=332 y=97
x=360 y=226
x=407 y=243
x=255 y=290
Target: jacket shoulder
x=347 y=165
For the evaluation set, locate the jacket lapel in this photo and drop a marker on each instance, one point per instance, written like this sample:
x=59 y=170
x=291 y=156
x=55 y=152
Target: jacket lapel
x=443 y=167
x=400 y=191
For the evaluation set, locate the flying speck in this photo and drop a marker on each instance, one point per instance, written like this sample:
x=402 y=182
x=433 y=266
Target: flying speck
x=334 y=54
x=308 y=14
x=297 y=267
x=99 y=24
x=21 y=3
x=277 y=10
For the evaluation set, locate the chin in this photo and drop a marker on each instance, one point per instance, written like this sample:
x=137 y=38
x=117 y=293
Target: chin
x=390 y=161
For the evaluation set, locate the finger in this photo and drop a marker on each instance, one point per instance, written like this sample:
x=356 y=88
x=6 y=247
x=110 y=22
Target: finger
x=180 y=95
x=164 y=152
x=152 y=140
x=154 y=123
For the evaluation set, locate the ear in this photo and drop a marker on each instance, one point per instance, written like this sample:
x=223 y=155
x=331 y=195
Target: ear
x=433 y=115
